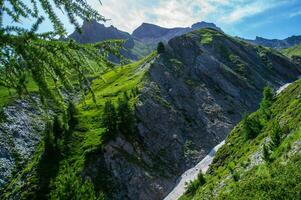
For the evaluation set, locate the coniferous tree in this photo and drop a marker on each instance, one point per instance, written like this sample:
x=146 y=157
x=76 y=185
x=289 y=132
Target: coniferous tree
x=49 y=140
x=71 y=186
x=201 y=178
x=71 y=113
x=275 y=136
x=267 y=101
x=251 y=126
x=58 y=127
x=109 y=120
x=160 y=48
x=266 y=153
x=126 y=118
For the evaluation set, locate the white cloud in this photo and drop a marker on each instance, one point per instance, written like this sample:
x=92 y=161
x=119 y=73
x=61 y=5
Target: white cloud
x=239 y=11
x=129 y=14
x=295 y=14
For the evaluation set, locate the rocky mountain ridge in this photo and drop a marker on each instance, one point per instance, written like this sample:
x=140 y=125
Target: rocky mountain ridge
x=150 y=33
x=140 y=43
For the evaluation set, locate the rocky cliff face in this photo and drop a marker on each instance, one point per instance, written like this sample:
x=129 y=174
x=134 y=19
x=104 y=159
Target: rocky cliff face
x=21 y=129
x=193 y=96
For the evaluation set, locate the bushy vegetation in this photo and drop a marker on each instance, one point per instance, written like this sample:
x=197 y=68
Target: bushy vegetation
x=266 y=166
x=120 y=120
x=263 y=54
x=251 y=127
x=73 y=187
x=192 y=186
x=253 y=124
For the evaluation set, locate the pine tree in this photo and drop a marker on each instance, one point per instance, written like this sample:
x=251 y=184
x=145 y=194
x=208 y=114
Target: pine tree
x=267 y=101
x=58 y=127
x=71 y=186
x=275 y=136
x=71 y=113
x=266 y=153
x=251 y=126
x=126 y=118
x=160 y=48
x=201 y=178
x=109 y=120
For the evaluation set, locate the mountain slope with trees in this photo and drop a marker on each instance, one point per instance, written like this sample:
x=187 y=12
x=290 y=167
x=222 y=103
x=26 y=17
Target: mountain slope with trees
x=83 y=128
x=142 y=125
x=261 y=161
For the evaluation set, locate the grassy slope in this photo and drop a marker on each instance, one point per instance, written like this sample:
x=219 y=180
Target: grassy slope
x=111 y=85
x=293 y=51
x=8 y=95
x=87 y=136
x=232 y=175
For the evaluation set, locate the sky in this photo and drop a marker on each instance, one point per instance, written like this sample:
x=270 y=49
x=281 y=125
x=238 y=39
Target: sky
x=244 y=18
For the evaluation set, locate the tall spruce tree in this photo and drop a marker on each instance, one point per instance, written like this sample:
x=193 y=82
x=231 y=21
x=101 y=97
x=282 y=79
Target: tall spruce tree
x=267 y=101
x=266 y=153
x=126 y=118
x=251 y=126
x=109 y=120
x=160 y=48
x=276 y=135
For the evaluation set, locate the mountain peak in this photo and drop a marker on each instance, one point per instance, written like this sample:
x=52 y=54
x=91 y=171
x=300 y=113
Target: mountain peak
x=93 y=31
x=154 y=33
x=147 y=30
x=202 y=24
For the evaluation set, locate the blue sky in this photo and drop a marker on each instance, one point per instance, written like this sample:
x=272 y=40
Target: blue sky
x=244 y=18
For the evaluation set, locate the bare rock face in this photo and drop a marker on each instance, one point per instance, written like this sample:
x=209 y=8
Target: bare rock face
x=193 y=96
x=21 y=129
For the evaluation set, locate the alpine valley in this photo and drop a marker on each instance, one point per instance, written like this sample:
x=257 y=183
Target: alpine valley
x=140 y=126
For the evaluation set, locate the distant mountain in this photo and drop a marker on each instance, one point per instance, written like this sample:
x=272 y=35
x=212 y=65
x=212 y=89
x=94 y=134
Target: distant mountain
x=143 y=40
x=150 y=33
x=276 y=43
x=93 y=32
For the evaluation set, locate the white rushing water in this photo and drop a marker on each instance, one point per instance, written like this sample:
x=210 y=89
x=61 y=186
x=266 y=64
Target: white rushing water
x=191 y=174
x=282 y=88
